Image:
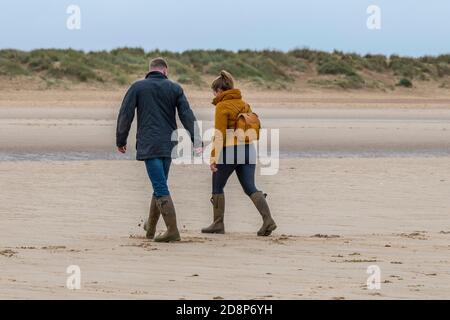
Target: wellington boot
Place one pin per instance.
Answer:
(167, 209)
(218, 202)
(269, 225)
(152, 221)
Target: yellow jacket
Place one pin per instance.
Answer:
(229, 105)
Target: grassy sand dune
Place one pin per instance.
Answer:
(268, 69)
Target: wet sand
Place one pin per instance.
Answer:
(90, 132)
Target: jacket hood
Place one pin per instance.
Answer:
(232, 94)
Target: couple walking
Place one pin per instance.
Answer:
(156, 101)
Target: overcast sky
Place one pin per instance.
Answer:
(408, 27)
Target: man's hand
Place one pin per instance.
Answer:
(213, 167)
(198, 151)
(122, 149)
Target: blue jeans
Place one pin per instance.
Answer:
(158, 172)
(245, 168)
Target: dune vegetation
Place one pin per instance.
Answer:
(267, 68)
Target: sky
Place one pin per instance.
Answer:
(407, 27)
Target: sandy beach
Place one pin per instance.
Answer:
(387, 212)
(357, 186)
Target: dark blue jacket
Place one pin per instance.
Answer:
(157, 100)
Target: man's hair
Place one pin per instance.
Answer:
(158, 63)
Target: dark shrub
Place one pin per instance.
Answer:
(405, 83)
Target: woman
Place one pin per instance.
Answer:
(229, 105)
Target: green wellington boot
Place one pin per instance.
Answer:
(259, 199)
(167, 209)
(218, 202)
(152, 221)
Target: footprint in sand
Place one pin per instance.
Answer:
(279, 241)
(282, 239)
(195, 240)
(137, 237)
(416, 286)
(360, 260)
(139, 292)
(8, 253)
(325, 236)
(375, 294)
(54, 248)
(146, 245)
(418, 235)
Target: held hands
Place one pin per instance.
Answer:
(198, 151)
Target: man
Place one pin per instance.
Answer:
(156, 99)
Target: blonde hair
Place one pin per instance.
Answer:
(223, 82)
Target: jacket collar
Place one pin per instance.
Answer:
(155, 75)
(227, 95)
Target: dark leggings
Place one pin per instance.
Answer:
(244, 165)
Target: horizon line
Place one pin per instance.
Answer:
(146, 51)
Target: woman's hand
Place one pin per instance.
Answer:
(213, 167)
